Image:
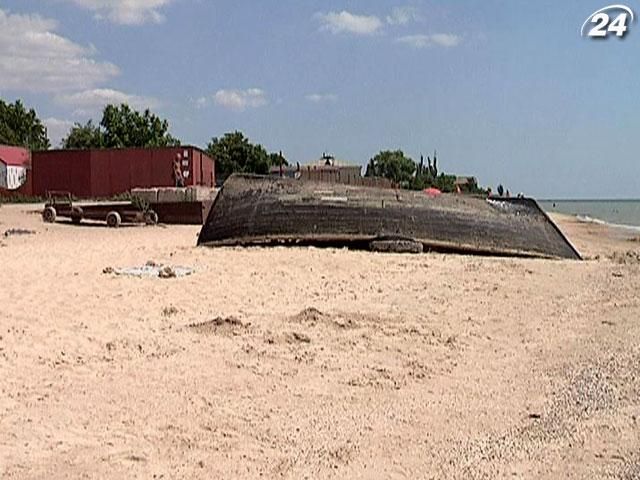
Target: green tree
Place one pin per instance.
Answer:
(234, 153)
(393, 165)
(276, 158)
(84, 137)
(121, 127)
(124, 127)
(21, 127)
(445, 183)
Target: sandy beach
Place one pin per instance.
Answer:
(313, 363)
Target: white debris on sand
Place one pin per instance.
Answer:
(151, 270)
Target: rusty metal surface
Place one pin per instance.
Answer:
(255, 210)
(182, 213)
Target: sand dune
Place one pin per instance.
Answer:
(313, 363)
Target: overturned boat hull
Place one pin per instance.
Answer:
(257, 210)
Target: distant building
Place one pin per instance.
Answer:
(14, 164)
(331, 170)
(326, 168)
(466, 184)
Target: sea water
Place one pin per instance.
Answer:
(620, 213)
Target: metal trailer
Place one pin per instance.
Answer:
(60, 204)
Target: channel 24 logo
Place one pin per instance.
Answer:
(608, 21)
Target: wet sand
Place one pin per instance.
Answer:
(314, 363)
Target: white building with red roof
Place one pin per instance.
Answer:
(14, 163)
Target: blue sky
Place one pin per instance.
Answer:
(508, 91)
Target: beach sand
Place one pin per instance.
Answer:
(314, 363)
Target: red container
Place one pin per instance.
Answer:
(105, 173)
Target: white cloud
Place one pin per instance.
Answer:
(402, 16)
(446, 39)
(201, 102)
(35, 58)
(126, 12)
(57, 129)
(437, 39)
(88, 102)
(345, 22)
(240, 100)
(322, 97)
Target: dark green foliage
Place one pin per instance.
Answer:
(21, 127)
(84, 137)
(124, 127)
(275, 159)
(415, 176)
(18, 198)
(121, 127)
(445, 183)
(140, 204)
(427, 175)
(393, 165)
(233, 153)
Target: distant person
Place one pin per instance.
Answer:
(177, 172)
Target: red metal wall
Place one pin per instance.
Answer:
(104, 173)
(70, 172)
(207, 169)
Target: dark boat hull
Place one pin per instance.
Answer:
(258, 210)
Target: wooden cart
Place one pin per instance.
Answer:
(60, 204)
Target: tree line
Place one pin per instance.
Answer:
(122, 127)
(403, 170)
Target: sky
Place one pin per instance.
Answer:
(508, 91)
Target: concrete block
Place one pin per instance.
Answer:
(172, 195)
(149, 195)
(200, 194)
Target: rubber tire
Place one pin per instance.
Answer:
(113, 219)
(151, 218)
(49, 214)
(76, 215)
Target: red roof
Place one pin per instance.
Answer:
(14, 156)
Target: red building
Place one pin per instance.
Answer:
(108, 172)
(14, 165)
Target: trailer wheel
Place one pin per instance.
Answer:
(113, 219)
(151, 218)
(49, 214)
(76, 215)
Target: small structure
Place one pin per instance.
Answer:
(331, 170)
(14, 164)
(108, 172)
(466, 184)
